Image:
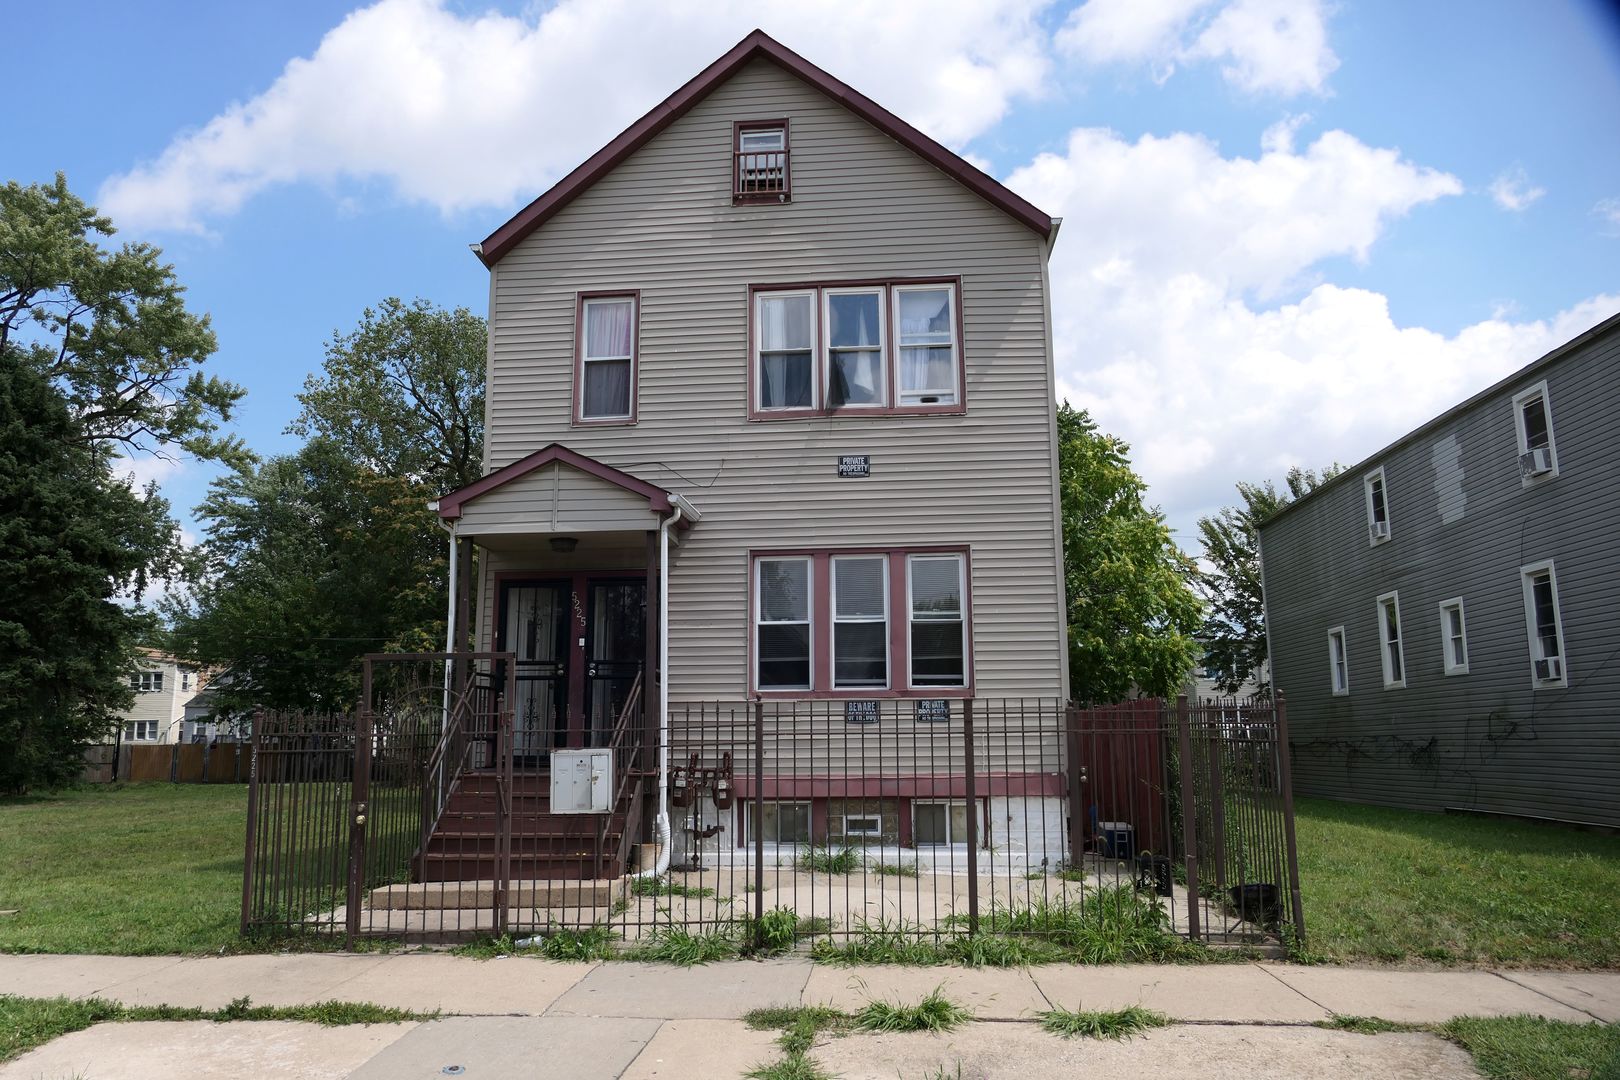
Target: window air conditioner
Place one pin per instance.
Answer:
(1536, 462)
(1380, 530)
(1550, 669)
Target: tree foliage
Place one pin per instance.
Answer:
(71, 539)
(1235, 630)
(312, 559)
(109, 329)
(1132, 611)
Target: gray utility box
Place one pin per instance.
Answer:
(582, 781)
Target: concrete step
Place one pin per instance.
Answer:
(480, 894)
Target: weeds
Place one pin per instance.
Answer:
(881, 869)
(677, 945)
(934, 1013)
(1103, 1024)
(776, 932)
(592, 943)
(824, 860)
(800, 1025)
(658, 886)
(1368, 1025)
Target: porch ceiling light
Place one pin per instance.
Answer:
(562, 545)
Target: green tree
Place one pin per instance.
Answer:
(109, 329)
(1132, 611)
(403, 393)
(72, 538)
(1235, 631)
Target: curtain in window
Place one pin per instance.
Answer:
(785, 369)
(607, 388)
(927, 363)
(608, 329)
(856, 349)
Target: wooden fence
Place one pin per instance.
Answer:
(177, 763)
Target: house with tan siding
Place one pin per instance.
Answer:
(163, 685)
(770, 416)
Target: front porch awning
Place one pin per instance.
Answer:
(555, 490)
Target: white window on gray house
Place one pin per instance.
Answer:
(784, 822)
(1545, 626)
(147, 682)
(607, 371)
(1454, 636)
(938, 641)
(1389, 637)
(1532, 417)
(785, 333)
(782, 615)
(140, 731)
(860, 621)
(937, 824)
(1338, 662)
(1377, 506)
(925, 329)
(856, 369)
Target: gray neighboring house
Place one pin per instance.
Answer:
(1444, 618)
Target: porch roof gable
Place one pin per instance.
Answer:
(450, 505)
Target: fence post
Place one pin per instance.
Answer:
(359, 795)
(759, 821)
(1285, 763)
(1189, 827)
(1077, 789)
(972, 818)
(250, 850)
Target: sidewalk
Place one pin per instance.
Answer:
(628, 1020)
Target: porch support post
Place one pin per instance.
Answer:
(650, 699)
(462, 631)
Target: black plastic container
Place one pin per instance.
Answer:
(1258, 902)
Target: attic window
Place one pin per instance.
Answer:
(759, 162)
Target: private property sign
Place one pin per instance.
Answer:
(854, 465)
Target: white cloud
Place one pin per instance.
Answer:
(143, 469)
(1513, 191)
(1263, 46)
(482, 110)
(1169, 250)
(1608, 211)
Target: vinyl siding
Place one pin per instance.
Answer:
(557, 498)
(1485, 740)
(863, 207)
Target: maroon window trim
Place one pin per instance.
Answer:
(899, 626)
(761, 198)
(579, 417)
(891, 351)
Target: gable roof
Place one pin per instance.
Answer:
(657, 498)
(756, 45)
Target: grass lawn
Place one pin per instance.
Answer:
(1393, 885)
(134, 870)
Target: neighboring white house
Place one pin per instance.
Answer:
(163, 686)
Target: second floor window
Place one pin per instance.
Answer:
(867, 347)
(140, 731)
(147, 682)
(1377, 507)
(1389, 635)
(1538, 454)
(606, 379)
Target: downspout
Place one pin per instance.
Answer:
(665, 844)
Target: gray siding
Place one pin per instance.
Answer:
(863, 207)
(1485, 740)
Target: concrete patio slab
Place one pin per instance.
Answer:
(1419, 997)
(555, 1047)
(202, 1050)
(991, 993)
(513, 985)
(715, 1049)
(711, 992)
(75, 976)
(996, 1051)
(1594, 992)
(1224, 992)
(214, 982)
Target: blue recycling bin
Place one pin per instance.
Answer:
(1118, 839)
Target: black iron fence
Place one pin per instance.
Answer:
(842, 821)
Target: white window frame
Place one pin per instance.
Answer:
(954, 299)
(132, 729)
(586, 359)
(1391, 601)
(1368, 482)
(961, 618)
(882, 349)
(1338, 662)
(147, 682)
(754, 826)
(1527, 576)
(832, 651)
(1520, 400)
(951, 839)
(809, 621)
(1446, 659)
(757, 366)
(862, 833)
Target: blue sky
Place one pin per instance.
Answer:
(1293, 230)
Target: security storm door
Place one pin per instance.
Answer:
(616, 647)
(534, 625)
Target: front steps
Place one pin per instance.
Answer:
(480, 895)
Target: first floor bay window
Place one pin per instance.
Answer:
(861, 623)
(782, 649)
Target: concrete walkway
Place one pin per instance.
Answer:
(622, 1020)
